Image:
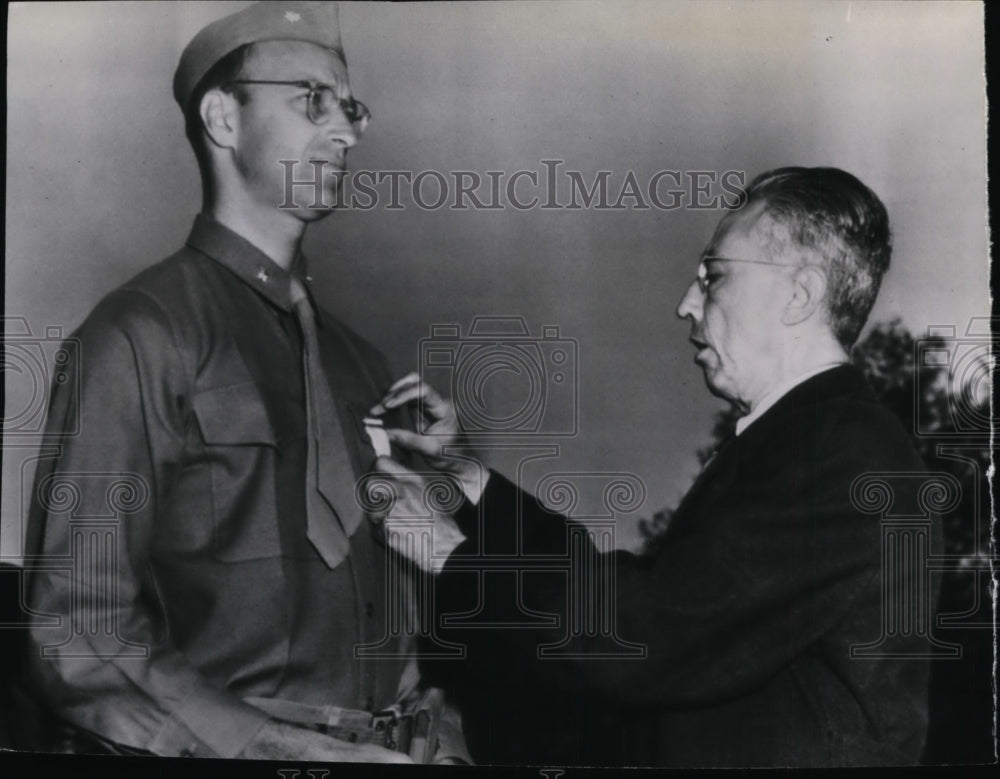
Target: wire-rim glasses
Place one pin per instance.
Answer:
(702, 277)
(321, 101)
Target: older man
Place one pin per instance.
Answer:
(241, 610)
(769, 572)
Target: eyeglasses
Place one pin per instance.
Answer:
(704, 282)
(321, 101)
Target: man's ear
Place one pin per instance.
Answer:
(808, 291)
(219, 117)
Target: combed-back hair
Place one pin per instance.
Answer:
(829, 214)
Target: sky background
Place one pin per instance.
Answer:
(101, 182)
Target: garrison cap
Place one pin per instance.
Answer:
(315, 22)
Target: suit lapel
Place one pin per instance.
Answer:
(758, 439)
(714, 478)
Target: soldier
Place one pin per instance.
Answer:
(246, 573)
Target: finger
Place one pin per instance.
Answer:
(413, 442)
(410, 378)
(406, 393)
(393, 471)
(390, 467)
(436, 406)
(399, 385)
(431, 401)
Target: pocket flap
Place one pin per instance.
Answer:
(235, 414)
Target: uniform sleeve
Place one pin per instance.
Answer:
(110, 667)
(728, 600)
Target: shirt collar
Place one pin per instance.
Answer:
(248, 262)
(778, 393)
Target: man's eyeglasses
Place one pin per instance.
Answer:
(705, 280)
(321, 101)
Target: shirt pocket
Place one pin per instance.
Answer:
(240, 447)
(234, 416)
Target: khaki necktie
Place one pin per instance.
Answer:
(332, 511)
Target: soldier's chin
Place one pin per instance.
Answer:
(305, 205)
(309, 211)
(315, 214)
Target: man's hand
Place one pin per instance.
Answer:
(415, 502)
(282, 741)
(443, 432)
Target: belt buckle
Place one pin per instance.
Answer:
(382, 721)
(395, 727)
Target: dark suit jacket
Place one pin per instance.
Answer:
(768, 575)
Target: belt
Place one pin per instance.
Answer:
(390, 728)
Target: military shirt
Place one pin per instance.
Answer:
(168, 537)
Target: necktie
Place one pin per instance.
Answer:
(332, 512)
